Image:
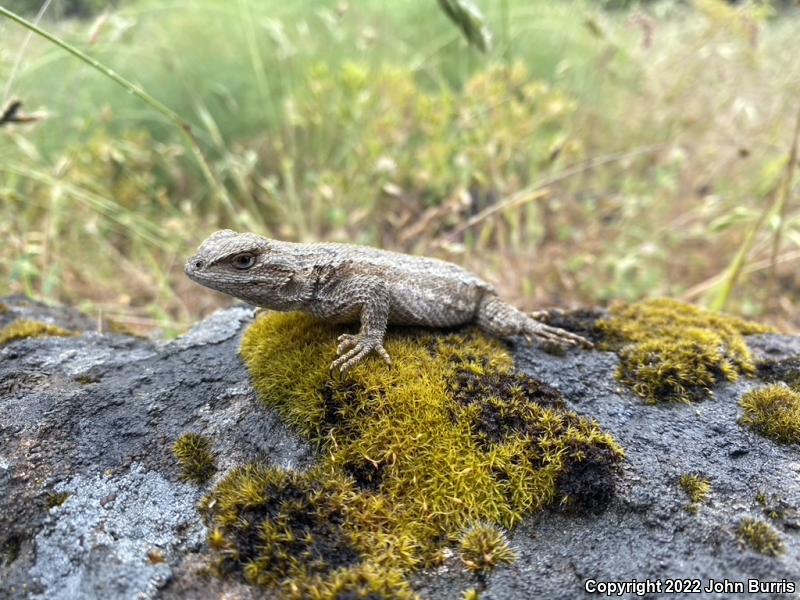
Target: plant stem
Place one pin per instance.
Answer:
(184, 127)
(736, 267)
(786, 188)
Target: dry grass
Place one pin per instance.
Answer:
(634, 150)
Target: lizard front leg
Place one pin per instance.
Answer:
(371, 297)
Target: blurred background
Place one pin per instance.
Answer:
(591, 152)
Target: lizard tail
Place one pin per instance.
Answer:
(502, 320)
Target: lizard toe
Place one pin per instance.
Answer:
(354, 350)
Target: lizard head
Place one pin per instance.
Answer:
(244, 265)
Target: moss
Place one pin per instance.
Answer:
(697, 488)
(484, 547)
(471, 594)
(413, 454)
(673, 351)
(87, 379)
(761, 537)
(56, 499)
(22, 329)
(774, 412)
(4, 310)
(194, 454)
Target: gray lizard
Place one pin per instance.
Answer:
(345, 283)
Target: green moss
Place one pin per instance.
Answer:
(484, 547)
(413, 454)
(697, 488)
(22, 329)
(673, 351)
(761, 537)
(774, 412)
(471, 594)
(194, 454)
(56, 499)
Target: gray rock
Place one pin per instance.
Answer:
(91, 420)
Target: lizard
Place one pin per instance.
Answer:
(346, 283)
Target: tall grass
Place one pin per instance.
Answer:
(636, 148)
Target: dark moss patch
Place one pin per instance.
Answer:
(23, 329)
(196, 458)
(588, 484)
(786, 370)
(4, 310)
(761, 537)
(774, 412)
(9, 551)
(413, 454)
(673, 351)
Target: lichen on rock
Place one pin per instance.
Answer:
(448, 436)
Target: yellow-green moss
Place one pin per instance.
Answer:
(471, 594)
(774, 412)
(697, 488)
(195, 456)
(56, 499)
(21, 329)
(414, 453)
(761, 537)
(484, 547)
(673, 351)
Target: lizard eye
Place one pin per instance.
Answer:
(244, 261)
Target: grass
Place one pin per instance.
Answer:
(637, 149)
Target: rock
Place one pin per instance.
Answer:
(93, 504)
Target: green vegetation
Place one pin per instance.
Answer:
(195, 455)
(377, 123)
(447, 437)
(22, 329)
(674, 351)
(484, 547)
(57, 499)
(697, 488)
(761, 537)
(774, 412)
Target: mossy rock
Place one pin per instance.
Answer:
(671, 351)
(774, 412)
(23, 329)
(413, 454)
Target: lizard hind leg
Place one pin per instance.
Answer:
(504, 321)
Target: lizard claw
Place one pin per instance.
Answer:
(354, 349)
(542, 332)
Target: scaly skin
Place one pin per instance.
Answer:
(344, 283)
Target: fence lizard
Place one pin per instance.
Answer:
(345, 283)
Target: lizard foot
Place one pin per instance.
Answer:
(353, 349)
(539, 331)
